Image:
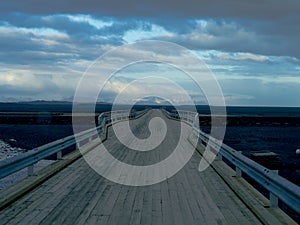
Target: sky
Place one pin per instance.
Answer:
(251, 47)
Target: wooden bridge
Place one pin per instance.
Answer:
(71, 192)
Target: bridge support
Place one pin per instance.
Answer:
(30, 170)
(273, 201)
(238, 172)
(219, 156)
(59, 155)
(273, 198)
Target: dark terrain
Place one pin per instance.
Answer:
(30, 125)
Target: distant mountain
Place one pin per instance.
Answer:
(153, 100)
(45, 102)
(54, 102)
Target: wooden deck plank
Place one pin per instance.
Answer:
(231, 214)
(146, 217)
(156, 205)
(68, 203)
(127, 207)
(97, 195)
(166, 204)
(137, 207)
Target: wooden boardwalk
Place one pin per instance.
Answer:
(78, 195)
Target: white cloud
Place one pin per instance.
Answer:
(282, 79)
(141, 34)
(49, 32)
(23, 84)
(243, 56)
(97, 23)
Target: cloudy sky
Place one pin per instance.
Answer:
(253, 49)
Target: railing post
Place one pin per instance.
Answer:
(219, 156)
(238, 172)
(59, 155)
(273, 200)
(30, 170)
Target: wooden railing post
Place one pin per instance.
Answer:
(59, 155)
(219, 156)
(238, 171)
(30, 170)
(273, 200)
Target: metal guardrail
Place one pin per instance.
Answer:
(113, 116)
(28, 159)
(186, 116)
(279, 187)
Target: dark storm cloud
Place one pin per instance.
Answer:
(29, 41)
(268, 9)
(79, 30)
(58, 22)
(271, 26)
(19, 47)
(266, 38)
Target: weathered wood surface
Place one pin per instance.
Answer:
(78, 195)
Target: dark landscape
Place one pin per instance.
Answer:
(277, 129)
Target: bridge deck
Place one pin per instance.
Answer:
(78, 195)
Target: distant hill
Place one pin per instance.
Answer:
(44, 102)
(54, 102)
(153, 101)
